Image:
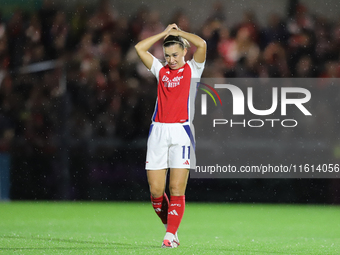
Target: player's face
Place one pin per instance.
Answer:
(174, 55)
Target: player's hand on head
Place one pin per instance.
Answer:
(171, 27)
(174, 31)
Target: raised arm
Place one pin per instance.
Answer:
(143, 46)
(201, 45)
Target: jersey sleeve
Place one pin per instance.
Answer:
(156, 67)
(197, 68)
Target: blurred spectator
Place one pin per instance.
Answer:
(7, 125)
(227, 47)
(300, 21)
(299, 45)
(46, 14)
(77, 25)
(209, 33)
(16, 38)
(325, 46)
(59, 34)
(86, 47)
(275, 31)
(218, 12)
(137, 22)
(34, 31)
(249, 22)
(335, 34)
(275, 60)
(104, 19)
(245, 46)
(331, 70)
(33, 53)
(305, 67)
(242, 51)
(4, 53)
(181, 19)
(121, 36)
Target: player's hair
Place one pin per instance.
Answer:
(171, 40)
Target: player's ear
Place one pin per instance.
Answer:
(185, 51)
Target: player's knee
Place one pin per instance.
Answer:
(156, 191)
(177, 189)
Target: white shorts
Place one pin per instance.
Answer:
(170, 145)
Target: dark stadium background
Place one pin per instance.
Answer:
(78, 131)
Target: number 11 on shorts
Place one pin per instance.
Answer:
(184, 150)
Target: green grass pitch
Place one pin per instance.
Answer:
(134, 228)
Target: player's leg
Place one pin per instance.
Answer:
(157, 165)
(177, 185)
(156, 180)
(178, 181)
(181, 157)
(159, 199)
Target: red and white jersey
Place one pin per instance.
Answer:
(176, 91)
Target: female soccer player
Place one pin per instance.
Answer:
(171, 141)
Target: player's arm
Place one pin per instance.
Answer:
(143, 46)
(201, 45)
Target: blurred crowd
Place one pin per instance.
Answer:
(110, 94)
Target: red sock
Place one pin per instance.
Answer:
(161, 204)
(175, 213)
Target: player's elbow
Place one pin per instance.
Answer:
(137, 47)
(203, 44)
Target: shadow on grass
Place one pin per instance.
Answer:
(119, 246)
(103, 245)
